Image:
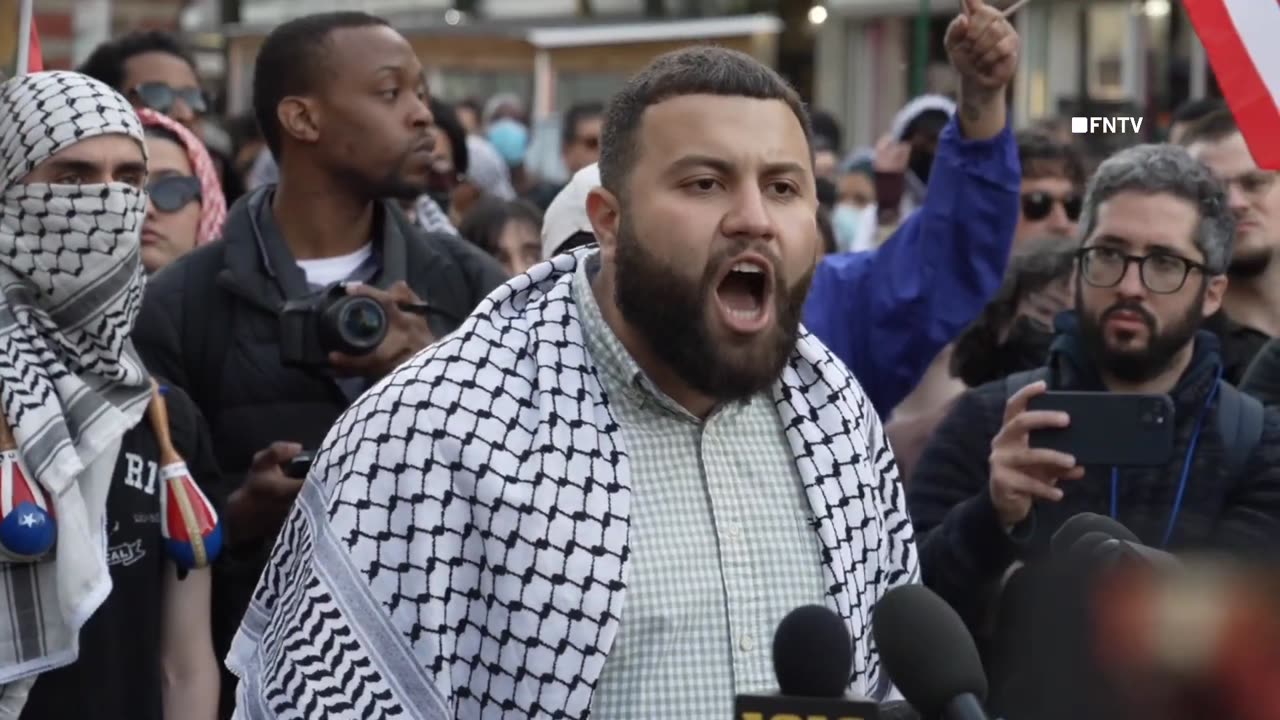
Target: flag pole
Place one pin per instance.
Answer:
(24, 37)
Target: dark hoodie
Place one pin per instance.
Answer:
(963, 548)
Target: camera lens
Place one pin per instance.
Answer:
(361, 324)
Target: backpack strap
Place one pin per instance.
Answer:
(1240, 420)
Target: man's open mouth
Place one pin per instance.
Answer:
(743, 294)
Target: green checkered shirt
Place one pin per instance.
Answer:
(721, 546)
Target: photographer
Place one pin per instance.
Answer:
(341, 104)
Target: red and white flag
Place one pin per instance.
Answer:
(1242, 40)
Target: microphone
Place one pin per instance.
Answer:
(813, 660)
(1077, 526)
(1113, 542)
(929, 654)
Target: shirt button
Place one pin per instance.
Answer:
(735, 531)
(747, 643)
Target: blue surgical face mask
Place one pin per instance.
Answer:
(855, 227)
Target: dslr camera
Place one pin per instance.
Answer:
(329, 321)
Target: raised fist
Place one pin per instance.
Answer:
(982, 45)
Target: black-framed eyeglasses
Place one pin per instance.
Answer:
(1161, 273)
(1038, 205)
(161, 97)
(172, 193)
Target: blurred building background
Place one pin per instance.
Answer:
(859, 59)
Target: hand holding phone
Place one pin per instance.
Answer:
(1021, 473)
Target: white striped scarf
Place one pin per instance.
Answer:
(71, 384)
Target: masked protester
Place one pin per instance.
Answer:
(100, 622)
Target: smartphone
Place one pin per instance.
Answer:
(1106, 428)
(299, 466)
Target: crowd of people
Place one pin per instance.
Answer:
(339, 410)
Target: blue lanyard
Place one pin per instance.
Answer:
(1186, 469)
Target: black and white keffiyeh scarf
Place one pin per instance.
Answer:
(71, 385)
(460, 549)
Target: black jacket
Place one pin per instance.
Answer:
(209, 323)
(964, 550)
(1262, 380)
(1239, 345)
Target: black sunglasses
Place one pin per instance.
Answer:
(172, 193)
(1038, 205)
(161, 97)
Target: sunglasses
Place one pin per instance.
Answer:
(172, 193)
(161, 97)
(1038, 205)
(590, 142)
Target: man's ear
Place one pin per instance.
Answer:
(605, 213)
(299, 118)
(1214, 291)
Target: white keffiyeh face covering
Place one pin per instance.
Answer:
(71, 384)
(71, 278)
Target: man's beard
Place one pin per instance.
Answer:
(395, 186)
(1162, 347)
(1249, 265)
(672, 315)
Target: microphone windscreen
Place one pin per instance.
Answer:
(1080, 525)
(926, 649)
(812, 653)
(1089, 543)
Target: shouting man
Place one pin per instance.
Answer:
(606, 489)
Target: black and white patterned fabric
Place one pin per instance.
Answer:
(71, 385)
(460, 549)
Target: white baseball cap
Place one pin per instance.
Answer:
(566, 216)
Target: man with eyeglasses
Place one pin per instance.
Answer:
(1157, 236)
(1251, 306)
(1052, 190)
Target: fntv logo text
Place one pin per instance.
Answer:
(1106, 125)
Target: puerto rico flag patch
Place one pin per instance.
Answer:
(27, 528)
(188, 523)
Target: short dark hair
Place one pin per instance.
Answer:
(1041, 156)
(106, 62)
(1193, 110)
(1166, 169)
(446, 118)
(291, 60)
(1212, 128)
(574, 116)
(696, 70)
(484, 223)
(826, 126)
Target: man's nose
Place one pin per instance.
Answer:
(182, 112)
(1237, 199)
(421, 116)
(1131, 284)
(749, 215)
(1059, 223)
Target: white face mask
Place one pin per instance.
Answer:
(855, 228)
(78, 245)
